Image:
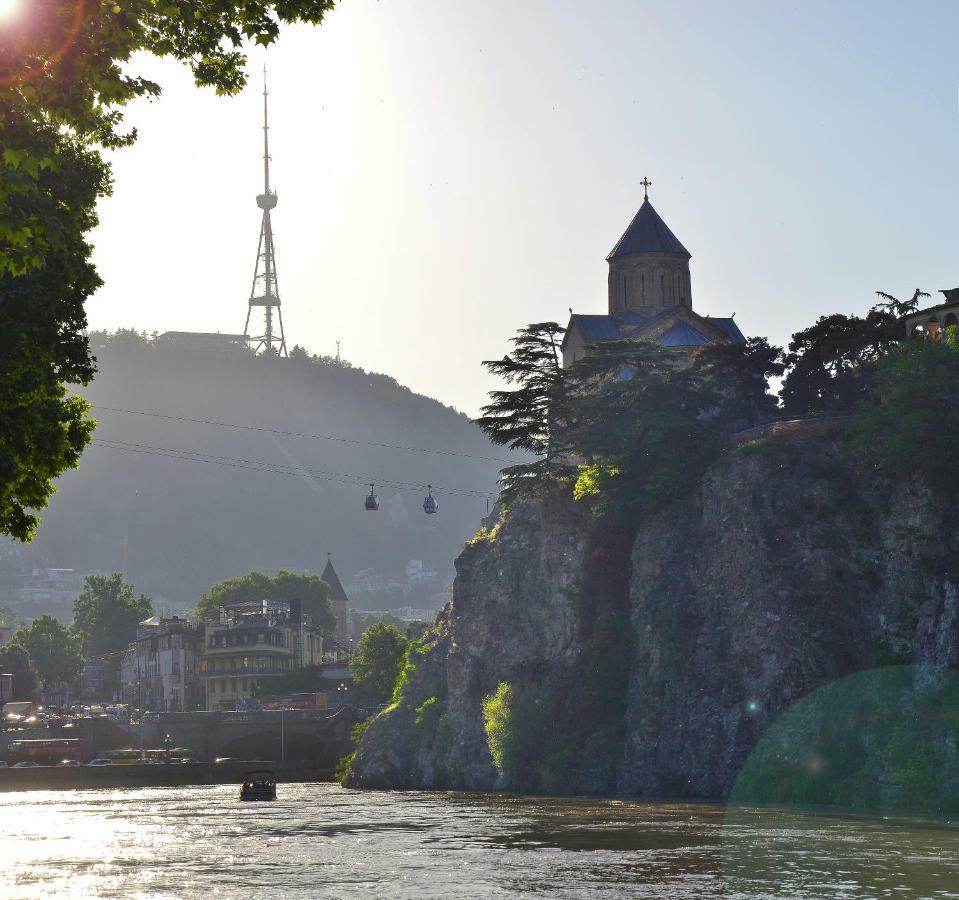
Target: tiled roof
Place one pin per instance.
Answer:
(596, 328)
(648, 233)
(682, 334)
(729, 328)
(333, 580)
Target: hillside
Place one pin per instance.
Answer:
(177, 525)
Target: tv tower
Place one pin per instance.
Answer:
(265, 292)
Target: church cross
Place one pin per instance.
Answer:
(645, 183)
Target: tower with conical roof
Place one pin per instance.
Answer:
(338, 600)
(649, 295)
(265, 293)
(648, 267)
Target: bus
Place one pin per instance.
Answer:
(127, 757)
(45, 751)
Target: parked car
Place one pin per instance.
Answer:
(26, 764)
(68, 762)
(3, 764)
(100, 761)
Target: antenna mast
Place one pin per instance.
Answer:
(265, 292)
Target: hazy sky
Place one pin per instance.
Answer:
(449, 171)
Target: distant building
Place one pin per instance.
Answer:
(417, 573)
(339, 601)
(252, 645)
(6, 687)
(649, 295)
(204, 343)
(6, 632)
(160, 670)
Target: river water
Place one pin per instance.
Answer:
(319, 840)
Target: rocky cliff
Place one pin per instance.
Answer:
(648, 660)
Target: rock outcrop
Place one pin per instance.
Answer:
(785, 569)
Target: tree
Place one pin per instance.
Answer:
(107, 612)
(64, 80)
(831, 362)
(740, 374)
(914, 430)
(376, 664)
(899, 307)
(53, 648)
(14, 660)
(308, 588)
(640, 420)
(531, 416)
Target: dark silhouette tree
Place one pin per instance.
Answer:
(740, 374)
(532, 415)
(831, 363)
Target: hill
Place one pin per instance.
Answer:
(180, 504)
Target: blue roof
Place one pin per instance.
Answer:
(682, 334)
(729, 328)
(596, 328)
(648, 233)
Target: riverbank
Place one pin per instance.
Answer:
(64, 778)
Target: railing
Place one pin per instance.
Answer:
(798, 428)
(218, 672)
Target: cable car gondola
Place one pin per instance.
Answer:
(429, 503)
(371, 503)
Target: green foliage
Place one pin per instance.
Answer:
(8, 615)
(499, 725)
(429, 712)
(415, 651)
(308, 588)
(54, 649)
(914, 428)
(641, 422)
(64, 79)
(107, 612)
(377, 662)
(344, 767)
(14, 660)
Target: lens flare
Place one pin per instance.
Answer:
(9, 10)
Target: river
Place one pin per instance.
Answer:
(319, 841)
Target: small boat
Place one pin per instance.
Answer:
(259, 785)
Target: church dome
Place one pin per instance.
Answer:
(648, 233)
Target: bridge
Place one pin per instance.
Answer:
(319, 737)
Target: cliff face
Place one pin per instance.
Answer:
(784, 570)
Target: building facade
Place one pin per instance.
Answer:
(649, 295)
(251, 646)
(160, 670)
(933, 321)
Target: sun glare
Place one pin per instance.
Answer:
(9, 9)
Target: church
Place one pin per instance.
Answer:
(650, 295)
